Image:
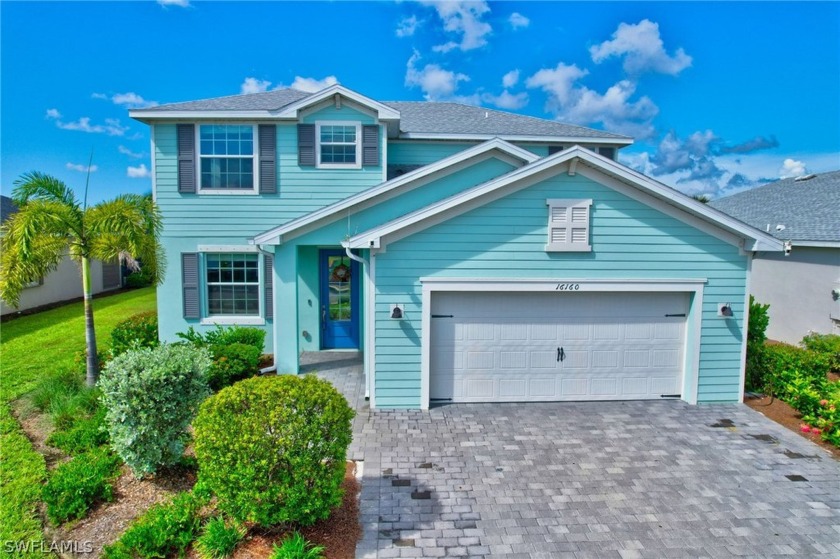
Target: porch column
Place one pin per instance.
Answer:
(286, 349)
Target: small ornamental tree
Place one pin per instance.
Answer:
(273, 449)
(151, 395)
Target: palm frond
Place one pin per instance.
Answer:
(42, 218)
(18, 269)
(40, 186)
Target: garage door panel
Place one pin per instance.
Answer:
(625, 348)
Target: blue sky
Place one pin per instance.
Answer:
(719, 96)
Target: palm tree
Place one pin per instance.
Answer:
(702, 198)
(50, 222)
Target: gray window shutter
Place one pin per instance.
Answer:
(186, 158)
(306, 145)
(189, 284)
(268, 267)
(370, 146)
(268, 154)
(554, 149)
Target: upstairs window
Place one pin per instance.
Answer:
(226, 154)
(339, 145)
(568, 225)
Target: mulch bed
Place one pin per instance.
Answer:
(788, 417)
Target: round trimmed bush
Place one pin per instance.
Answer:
(273, 449)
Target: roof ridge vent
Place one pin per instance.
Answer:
(807, 177)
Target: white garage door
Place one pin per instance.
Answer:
(515, 347)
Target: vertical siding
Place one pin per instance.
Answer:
(506, 239)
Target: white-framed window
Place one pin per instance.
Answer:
(568, 225)
(232, 284)
(338, 144)
(226, 158)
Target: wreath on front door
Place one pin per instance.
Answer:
(340, 274)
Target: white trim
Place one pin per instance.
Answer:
(816, 244)
(227, 248)
(148, 116)
(554, 164)
(383, 112)
(230, 320)
(275, 236)
(370, 326)
(517, 138)
(383, 151)
(153, 164)
(691, 365)
(744, 329)
(358, 144)
(255, 162)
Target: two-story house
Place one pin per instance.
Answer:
(472, 255)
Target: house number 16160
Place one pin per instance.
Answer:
(567, 287)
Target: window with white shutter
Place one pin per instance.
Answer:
(568, 225)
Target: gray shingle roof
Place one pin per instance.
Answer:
(7, 208)
(809, 209)
(415, 116)
(265, 101)
(455, 118)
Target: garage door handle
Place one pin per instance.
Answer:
(561, 355)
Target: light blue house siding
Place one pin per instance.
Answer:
(299, 296)
(191, 220)
(426, 152)
(506, 239)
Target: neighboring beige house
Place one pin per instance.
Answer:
(802, 288)
(65, 282)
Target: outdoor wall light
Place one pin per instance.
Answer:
(397, 312)
(725, 310)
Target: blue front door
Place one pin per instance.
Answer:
(339, 300)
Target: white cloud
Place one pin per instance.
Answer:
(518, 21)
(642, 48)
(578, 104)
(407, 26)
(82, 168)
(125, 151)
(53, 114)
(254, 85)
(129, 99)
(112, 126)
(179, 3)
(311, 85)
(510, 79)
(462, 18)
(436, 83)
(792, 168)
(139, 172)
(506, 100)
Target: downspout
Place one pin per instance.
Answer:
(272, 368)
(368, 324)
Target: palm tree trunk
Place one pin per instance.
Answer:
(90, 333)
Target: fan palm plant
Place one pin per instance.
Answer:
(51, 222)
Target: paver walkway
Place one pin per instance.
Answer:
(608, 479)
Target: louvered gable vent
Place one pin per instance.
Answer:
(568, 225)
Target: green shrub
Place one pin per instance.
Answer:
(75, 486)
(223, 336)
(785, 362)
(232, 363)
(142, 278)
(140, 330)
(825, 344)
(296, 547)
(164, 530)
(218, 539)
(756, 365)
(85, 434)
(273, 449)
(151, 395)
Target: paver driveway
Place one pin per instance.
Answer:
(620, 479)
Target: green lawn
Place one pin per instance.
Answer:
(31, 346)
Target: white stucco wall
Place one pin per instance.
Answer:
(62, 284)
(798, 288)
